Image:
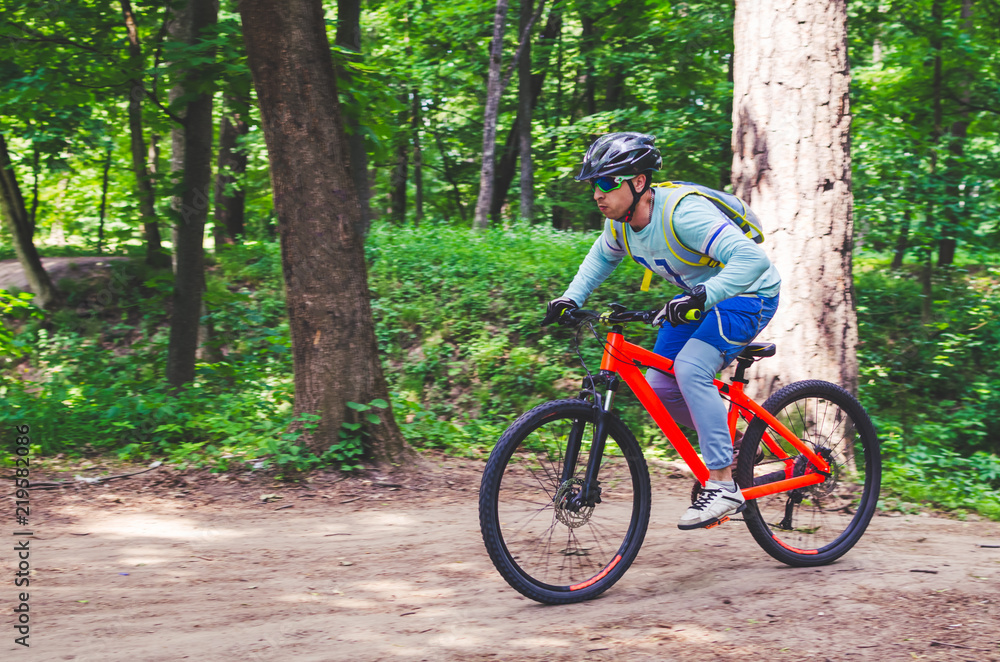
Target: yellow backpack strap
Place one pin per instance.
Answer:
(676, 246)
(648, 276)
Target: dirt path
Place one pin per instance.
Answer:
(12, 274)
(170, 566)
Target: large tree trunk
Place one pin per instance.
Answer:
(493, 91)
(231, 164)
(15, 217)
(792, 164)
(334, 349)
(189, 275)
(349, 37)
(155, 255)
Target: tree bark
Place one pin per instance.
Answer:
(902, 240)
(156, 256)
(448, 172)
(349, 37)
(525, 103)
(35, 172)
(397, 180)
(791, 163)
(15, 217)
(189, 275)
(333, 334)
(418, 164)
(104, 198)
(493, 91)
(588, 44)
(508, 160)
(231, 164)
(956, 150)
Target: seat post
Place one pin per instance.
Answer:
(742, 363)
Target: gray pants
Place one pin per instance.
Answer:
(693, 400)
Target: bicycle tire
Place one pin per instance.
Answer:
(818, 524)
(522, 525)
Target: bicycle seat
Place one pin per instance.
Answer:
(758, 350)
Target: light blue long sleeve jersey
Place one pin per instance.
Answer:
(700, 226)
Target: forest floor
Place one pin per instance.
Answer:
(12, 274)
(187, 565)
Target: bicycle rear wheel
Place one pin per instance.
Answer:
(544, 549)
(818, 524)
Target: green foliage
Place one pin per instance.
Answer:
(14, 307)
(934, 388)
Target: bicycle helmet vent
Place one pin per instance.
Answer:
(623, 153)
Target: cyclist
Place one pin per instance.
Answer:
(737, 300)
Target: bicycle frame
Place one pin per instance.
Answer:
(624, 358)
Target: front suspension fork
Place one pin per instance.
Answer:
(590, 492)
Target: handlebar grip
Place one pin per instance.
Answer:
(693, 315)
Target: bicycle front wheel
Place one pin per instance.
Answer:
(818, 524)
(545, 547)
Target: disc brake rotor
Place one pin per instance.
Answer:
(561, 501)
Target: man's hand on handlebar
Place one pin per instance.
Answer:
(684, 309)
(559, 310)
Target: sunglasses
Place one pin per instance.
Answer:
(608, 183)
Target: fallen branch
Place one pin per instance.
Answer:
(81, 479)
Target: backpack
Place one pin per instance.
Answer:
(730, 206)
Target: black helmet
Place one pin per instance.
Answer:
(624, 153)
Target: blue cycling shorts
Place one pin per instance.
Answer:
(729, 326)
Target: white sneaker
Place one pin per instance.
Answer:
(712, 507)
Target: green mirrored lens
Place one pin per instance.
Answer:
(607, 184)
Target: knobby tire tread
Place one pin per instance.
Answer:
(489, 492)
(866, 508)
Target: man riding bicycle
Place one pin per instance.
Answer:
(734, 288)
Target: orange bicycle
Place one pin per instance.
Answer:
(565, 496)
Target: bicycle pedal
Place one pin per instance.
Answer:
(715, 524)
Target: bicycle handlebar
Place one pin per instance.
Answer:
(619, 315)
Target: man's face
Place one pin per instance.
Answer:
(614, 204)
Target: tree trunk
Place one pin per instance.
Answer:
(792, 164)
(588, 44)
(525, 104)
(956, 149)
(189, 275)
(493, 92)
(902, 240)
(334, 349)
(15, 217)
(231, 164)
(397, 181)
(448, 171)
(505, 167)
(349, 37)
(156, 256)
(418, 164)
(33, 214)
(104, 199)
